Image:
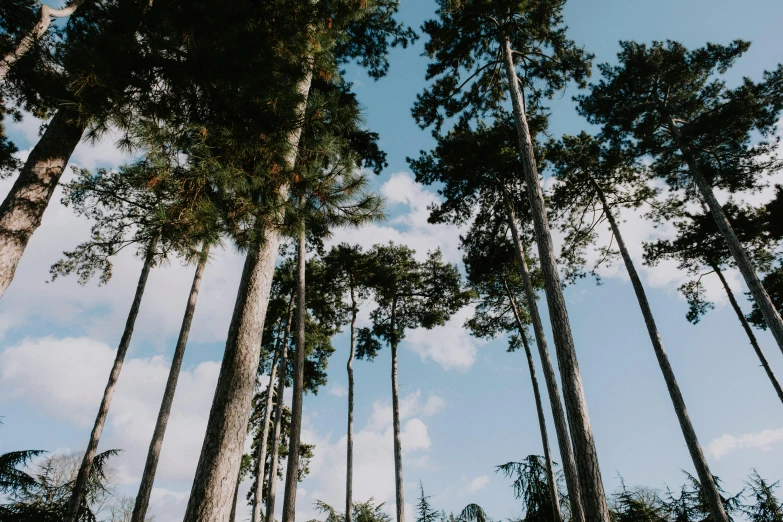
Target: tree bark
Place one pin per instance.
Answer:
(153, 454)
(77, 495)
(221, 452)
(694, 447)
(398, 483)
(233, 516)
(24, 206)
(270, 497)
(258, 493)
(749, 332)
(589, 472)
(561, 427)
(744, 263)
(539, 409)
(349, 443)
(295, 435)
(36, 33)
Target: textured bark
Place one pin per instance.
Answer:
(233, 516)
(398, 484)
(153, 454)
(349, 443)
(258, 493)
(270, 496)
(77, 495)
(585, 455)
(221, 452)
(709, 487)
(295, 435)
(23, 207)
(749, 332)
(561, 427)
(550, 469)
(36, 33)
(744, 263)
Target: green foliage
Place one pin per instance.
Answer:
(637, 505)
(764, 506)
(424, 510)
(691, 505)
(532, 488)
(367, 511)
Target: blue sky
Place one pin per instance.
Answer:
(468, 405)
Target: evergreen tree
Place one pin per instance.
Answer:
(477, 168)
(408, 294)
(637, 505)
(517, 50)
(765, 507)
(424, 510)
(666, 102)
(531, 486)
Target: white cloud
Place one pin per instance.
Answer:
(727, 444)
(338, 390)
(410, 406)
(451, 346)
(477, 484)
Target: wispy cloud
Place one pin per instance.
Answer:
(727, 444)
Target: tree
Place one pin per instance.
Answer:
(476, 170)
(424, 510)
(362, 34)
(693, 503)
(665, 102)
(700, 249)
(637, 505)
(498, 312)
(765, 507)
(507, 47)
(592, 175)
(408, 294)
(367, 511)
(531, 486)
(347, 268)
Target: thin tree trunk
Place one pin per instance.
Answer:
(221, 452)
(694, 447)
(349, 449)
(744, 263)
(539, 409)
(36, 33)
(585, 454)
(295, 435)
(258, 493)
(398, 484)
(24, 206)
(77, 495)
(751, 336)
(233, 516)
(561, 427)
(270, 496)
(153, 454)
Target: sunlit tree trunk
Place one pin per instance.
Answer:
(694, 447)
(561, 427)
(585, 454)
(744, 264)
(79, 486)
(295, 434)
(550, 469)
(153, 454)
(258, 493)
(270, 496)
(36, 33)
(23, 208)
(398, 483)
(221, 453)
(749, 332)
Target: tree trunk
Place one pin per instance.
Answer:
(153, 454)
(77, 495)
(233, 516)
(694, 447)
(751, 336)
(561, 427)
(551, 479)
(258, 493)
(744, 264)
(400, 495)
(589, 472)
(295, 435)
(349, 449)
(221, 452)
(36, 33)
(270, 497)
(23, 207)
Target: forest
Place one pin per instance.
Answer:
(243, 131)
